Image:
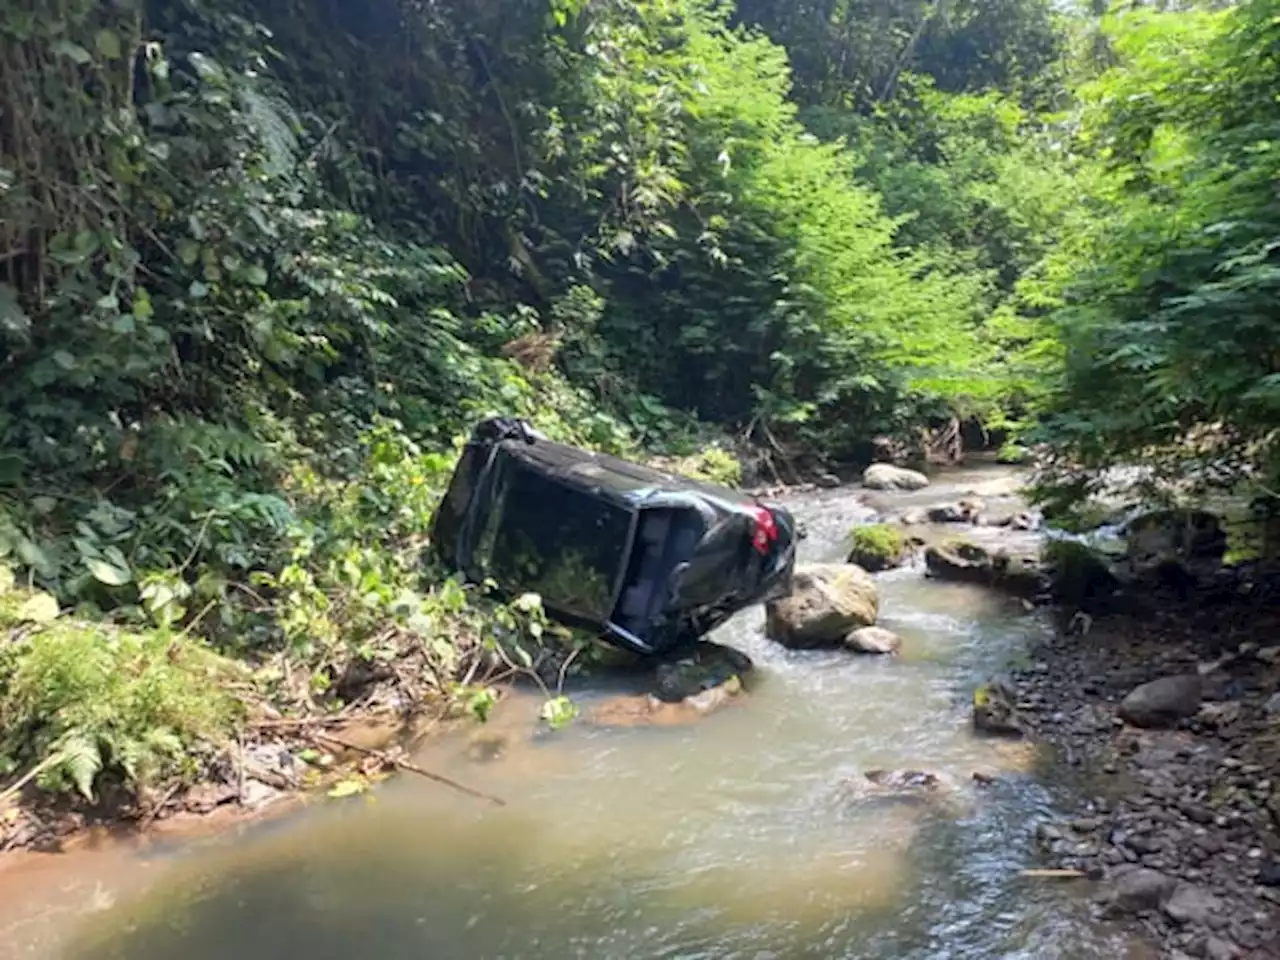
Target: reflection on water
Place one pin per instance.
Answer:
(728, 838)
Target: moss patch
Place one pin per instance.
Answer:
(877, 546)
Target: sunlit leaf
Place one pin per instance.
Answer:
(38, 608)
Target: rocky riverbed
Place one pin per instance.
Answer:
(1184, 819)
(1164, 703)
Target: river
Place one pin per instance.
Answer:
(724, 839)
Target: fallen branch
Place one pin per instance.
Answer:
(405, 765)
(159, 807)
(30, 775)
(1055, 874)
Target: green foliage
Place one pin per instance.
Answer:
(713, 464)
(263, 264)
(82, 702)
(853, 52)
(1167, 302)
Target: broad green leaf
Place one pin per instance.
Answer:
(73, 51)
(40, 607)
(108, 44)
(111, 574)
(82, 760)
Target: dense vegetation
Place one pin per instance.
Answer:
(262, 264)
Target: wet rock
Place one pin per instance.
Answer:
(899, 785)
(1269, 874)
(827, 602)
(994, 711)
(649, 711)
(1137, 890)
(885, 476)
(1163, 702)
(873, 640)
(963, 511)
(913, 518)
(1219, 715)
(1190, 905)
(960, 561)
(706, 666)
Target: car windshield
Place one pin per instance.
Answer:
(554, 539)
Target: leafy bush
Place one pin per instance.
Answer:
(712, 464)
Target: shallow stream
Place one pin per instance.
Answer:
(728, 838)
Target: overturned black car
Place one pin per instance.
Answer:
(650, 559)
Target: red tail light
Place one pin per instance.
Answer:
(766, 530)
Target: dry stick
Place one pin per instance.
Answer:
(406, 765)
(155, 811)
(1055, 874)
(30, 775)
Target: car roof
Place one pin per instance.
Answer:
(620, 480)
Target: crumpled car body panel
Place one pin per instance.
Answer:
(649, 559)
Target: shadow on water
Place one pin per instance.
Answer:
(725, 839)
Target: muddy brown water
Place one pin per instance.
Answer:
(725, 839)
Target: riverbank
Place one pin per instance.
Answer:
(1182, 814)
(276, 766)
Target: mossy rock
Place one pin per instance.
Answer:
(877, 546)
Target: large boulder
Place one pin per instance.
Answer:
(1193, 540)
(1163, 702)
(960, 561)
(885, 476)
(877, 546)
(827, 602)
